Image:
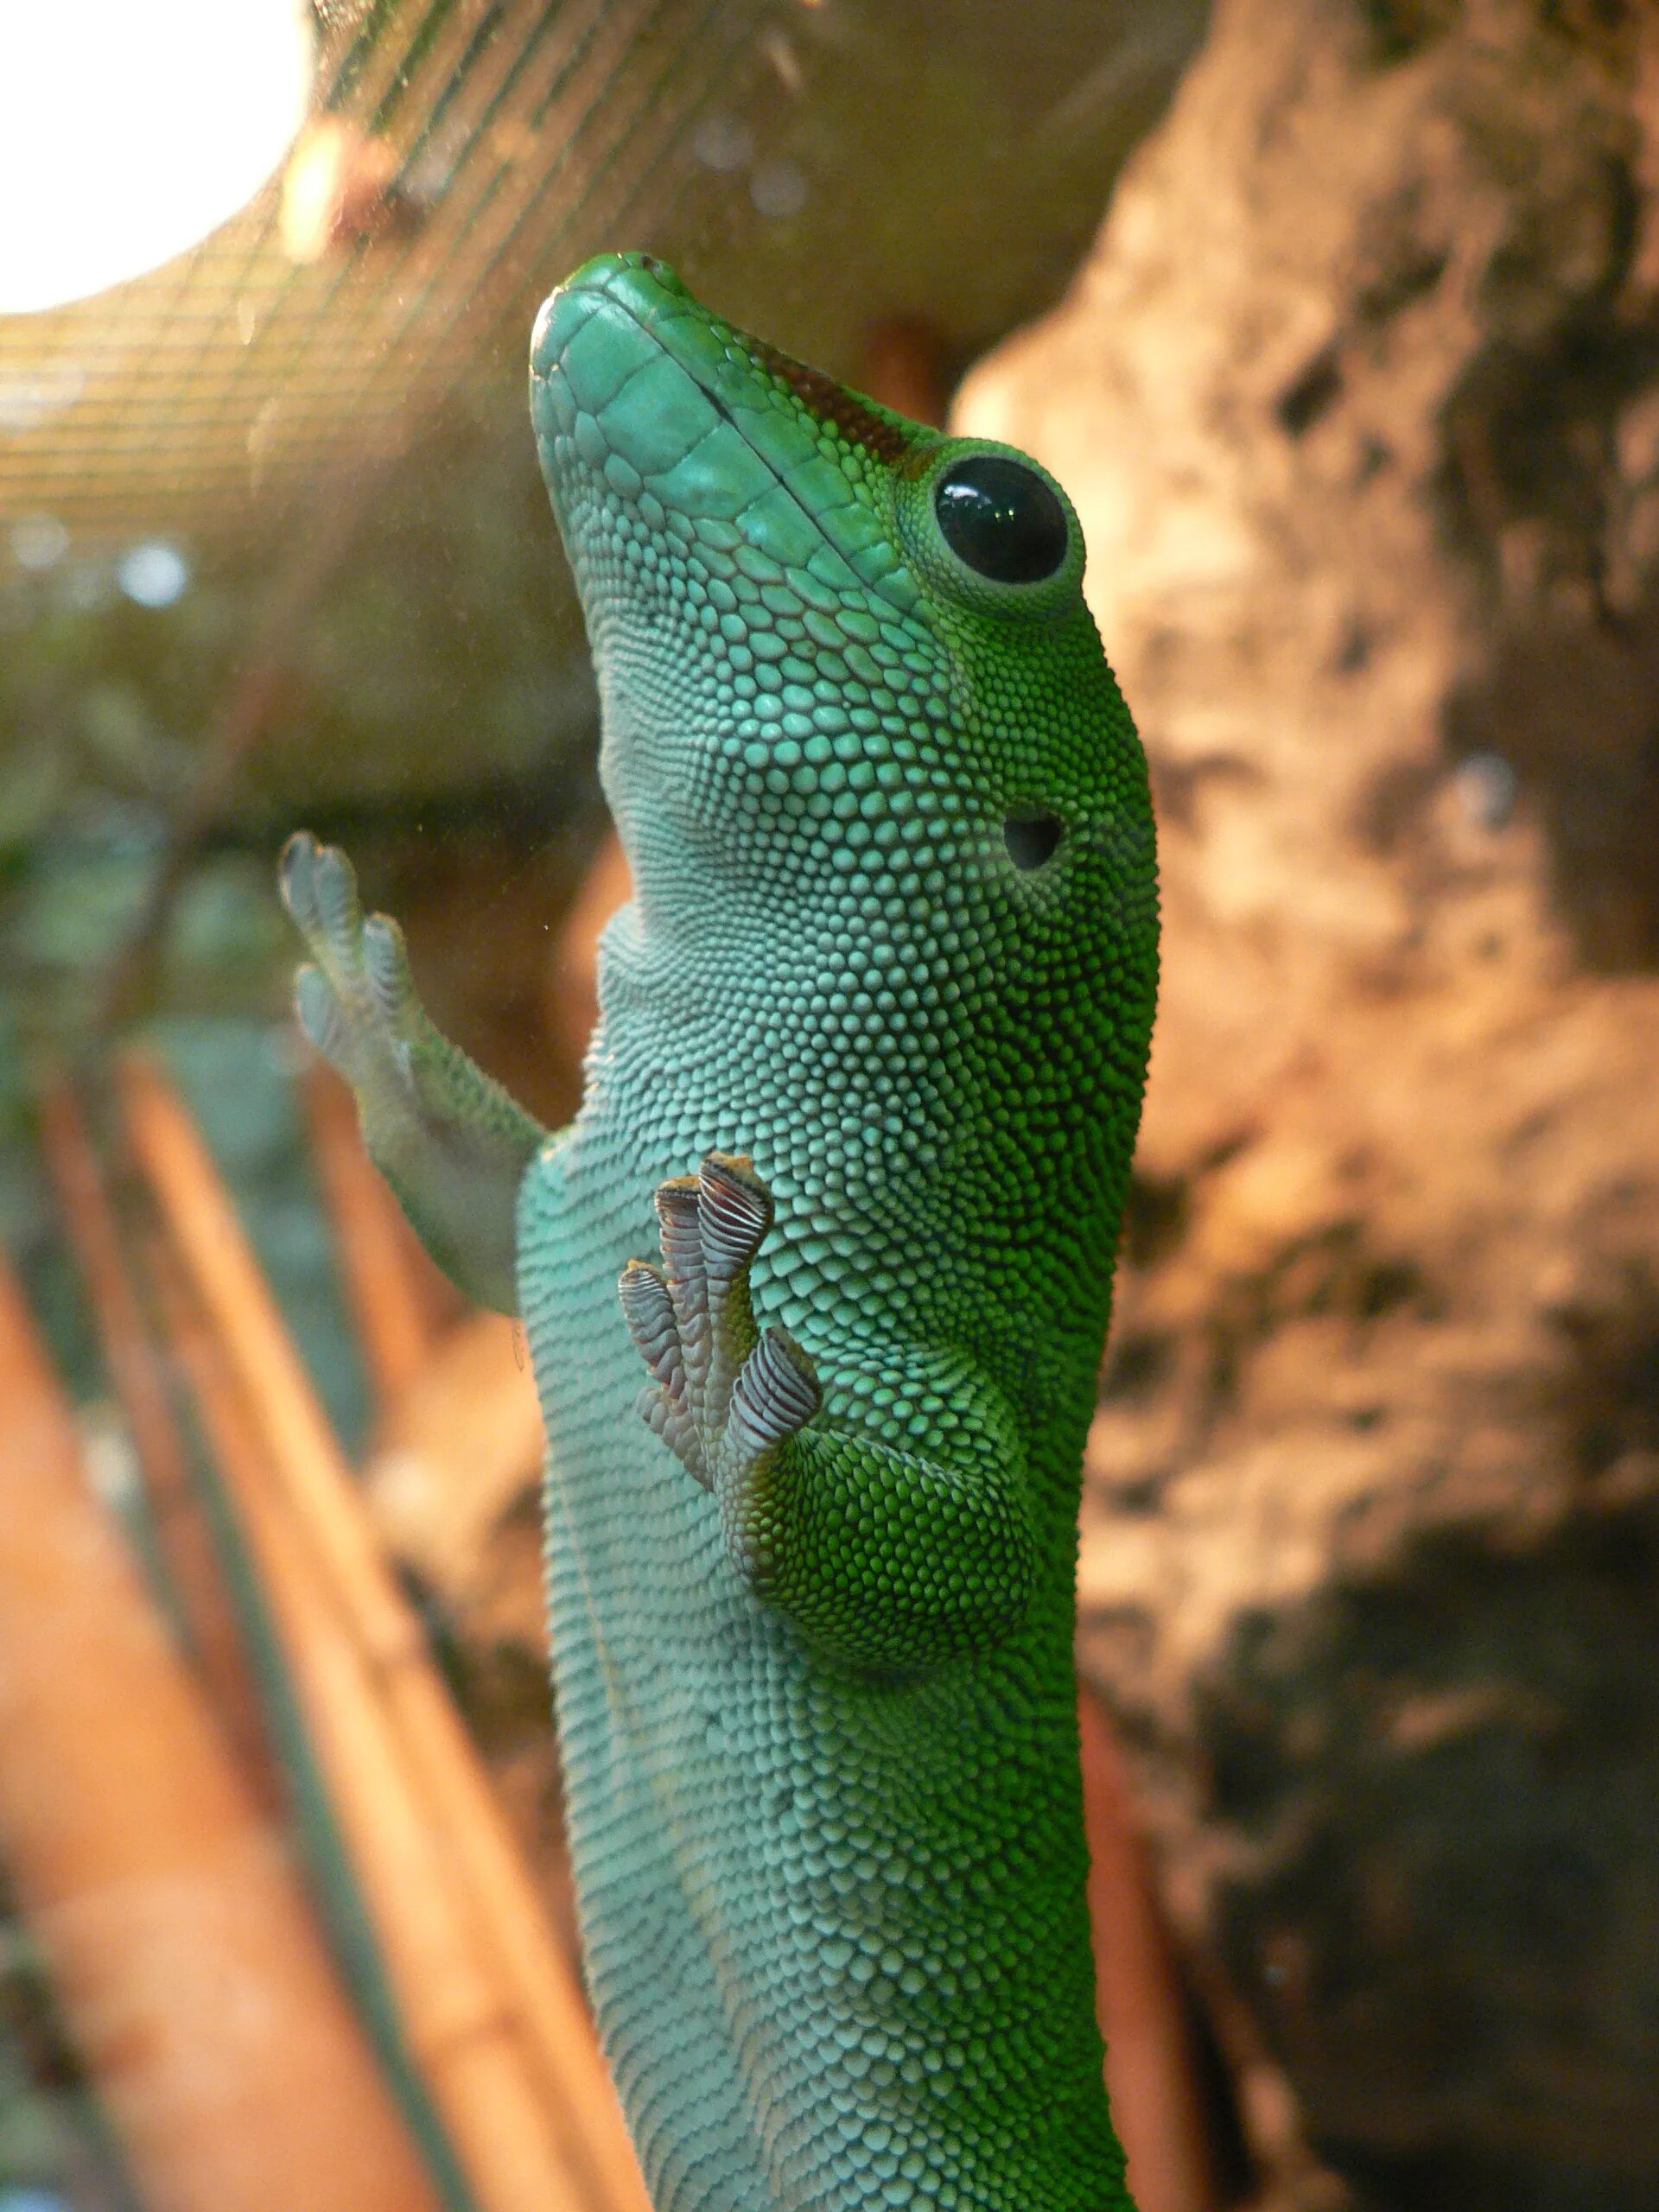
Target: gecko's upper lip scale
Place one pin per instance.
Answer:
(634, 390)
(634, 287)
(625, 344)
(636, 387)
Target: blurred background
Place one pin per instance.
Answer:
(1340, 318)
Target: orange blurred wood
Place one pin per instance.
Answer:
(1150, 2071)
(460, 2026)
(397, 1299)
(330, 1516)
(183, 1534)
(189, 1969)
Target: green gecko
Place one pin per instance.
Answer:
(856, 1127)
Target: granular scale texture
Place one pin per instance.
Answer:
(878, 1018)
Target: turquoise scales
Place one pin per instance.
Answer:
(889, 974)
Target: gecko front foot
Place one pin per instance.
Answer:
(355, 998)
(889, 1551)
(446, 1137)
(722, 1394)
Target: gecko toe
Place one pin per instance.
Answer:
(649, 1312)
(665, 1403)
(296, 879)
(686, 1277)
(318, 1011)
(775, 1394)
(734, 1214)
(386, 960)
(340, 916)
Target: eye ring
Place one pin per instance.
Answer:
(1001, 520)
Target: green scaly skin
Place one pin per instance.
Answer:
(812, 1618)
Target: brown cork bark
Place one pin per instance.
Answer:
(1358, 398)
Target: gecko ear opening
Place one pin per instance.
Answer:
(1032, 839)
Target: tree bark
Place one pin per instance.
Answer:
(1358, 398)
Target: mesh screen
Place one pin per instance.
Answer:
(494, 143)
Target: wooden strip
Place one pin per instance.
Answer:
(330, 1516)
(1150, 2073)
(460, 2027)
(190, 1972)
(183, 1534)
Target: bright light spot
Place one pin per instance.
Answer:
(778, 189)
(32, 398)
(1487, 786)
(88, 586)
(722, 142)
(128, 132)
(154, 573)
(38, 542)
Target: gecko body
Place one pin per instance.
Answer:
(853, 1142)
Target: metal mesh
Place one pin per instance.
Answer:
(521, 135)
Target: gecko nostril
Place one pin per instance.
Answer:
(1032, 839)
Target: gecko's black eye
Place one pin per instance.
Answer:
(1001, 520)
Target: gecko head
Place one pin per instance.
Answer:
(839, 655)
